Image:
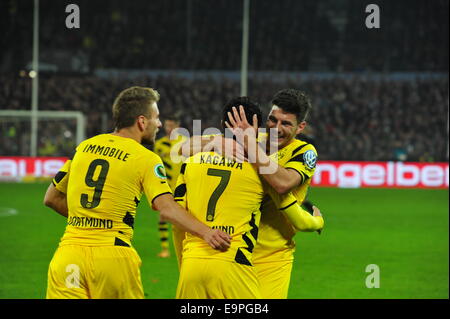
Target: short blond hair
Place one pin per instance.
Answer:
(131, 103)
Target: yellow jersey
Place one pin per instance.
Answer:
(104, 183)
(275, 242)
(222, 194)
(172, 162)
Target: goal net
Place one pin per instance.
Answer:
(57, 135)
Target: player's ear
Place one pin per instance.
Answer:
(141, 122)
(300, 127)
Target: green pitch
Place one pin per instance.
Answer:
(403, 232)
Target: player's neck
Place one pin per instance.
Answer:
(129, 132)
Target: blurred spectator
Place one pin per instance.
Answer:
(353, 118)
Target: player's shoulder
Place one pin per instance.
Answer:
(96, 139)
(137, 150)
(302, 144)
(146, 153)
(162, 141)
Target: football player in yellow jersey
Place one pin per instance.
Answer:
(226, 195)
(296, 162)
(163, 147)
(98, 191)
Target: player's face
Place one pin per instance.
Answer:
(152, 125)
(286, 125)
(169, 126)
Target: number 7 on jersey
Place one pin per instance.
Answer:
(224, 179)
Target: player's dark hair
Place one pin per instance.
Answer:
(131, 103)
(294, 102)
(250, 108)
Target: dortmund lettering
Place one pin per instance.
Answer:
(225, 228)
(89, 222)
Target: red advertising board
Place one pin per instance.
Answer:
(381, 174)
(15, 168)
(328, 173)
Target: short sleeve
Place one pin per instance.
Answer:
(154, 179)
(61, 178)
(304, 162)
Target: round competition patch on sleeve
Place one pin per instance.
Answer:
(160, 171)
(310, 159)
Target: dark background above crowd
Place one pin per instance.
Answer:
(285, 35)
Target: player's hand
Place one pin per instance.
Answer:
(239, 125)
(316, 212)
(239, 120)
(217, 239)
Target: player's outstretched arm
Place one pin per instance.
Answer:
(299, 218)
(302, 220)
(180, 218)
(56, 200)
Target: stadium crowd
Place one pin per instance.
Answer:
(353, 118)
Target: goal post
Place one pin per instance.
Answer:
(22, 116)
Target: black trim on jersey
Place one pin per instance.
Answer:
(137, 201)
(307, 139)
(59, 176)
(241, 259)
(183, 168)
(164, 239)
(167, 165)
(308, 206)
(166, 143)
(298, 149)
(160, 195)
(303, 176)
(298, 158)
(128, 219)
(180, 190)
(254, 230)
(288, 205)
(178, 200)
(120, 242)
(249, 243)
(53, 183)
